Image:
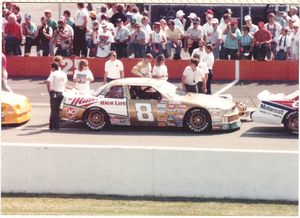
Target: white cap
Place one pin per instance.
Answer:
(214, 20)
(103, 23)
(192, 15)
(247, 17)
(294, 7)
(180, 13)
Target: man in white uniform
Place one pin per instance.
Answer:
(114, 68)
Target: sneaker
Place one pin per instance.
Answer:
(131, 56)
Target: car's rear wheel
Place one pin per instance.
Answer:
(96, 118)
(291, 122)
(198, 120)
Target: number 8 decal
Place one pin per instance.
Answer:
(144, 112)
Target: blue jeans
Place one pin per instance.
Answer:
(12, 45)
(281, 55)
(139, 51)
(170, 45)
(45, 47)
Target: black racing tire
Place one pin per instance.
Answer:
(291, 122)
(96, 118)
(198, 120)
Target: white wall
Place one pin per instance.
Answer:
(152, 172)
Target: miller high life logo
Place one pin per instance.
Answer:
(83, 102)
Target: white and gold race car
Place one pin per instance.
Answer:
(150, 102)
(15, 108)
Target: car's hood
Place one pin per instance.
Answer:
(266, 95)
(12, 98)
(209, 101)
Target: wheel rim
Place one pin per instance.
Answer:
(293, 123)
(96, 118)
(198, 120)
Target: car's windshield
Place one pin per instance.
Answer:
(171, 89)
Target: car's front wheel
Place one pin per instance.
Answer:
(198, 120)
(291, 122)
(96, 118)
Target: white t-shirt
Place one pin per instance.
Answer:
(147, 29)
(104, 37)
(80, 14)
(208, 29)
(284, 43)
(160, 71)
(276, 27)
(209, 59)
(113, 69)
(197, 33)
(83, 76)
(58, 80)
(295, 45)
(199, 52)
(203, 67)
(193, 77)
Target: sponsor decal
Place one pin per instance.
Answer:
(272, 109)
(295, 104)
(171, 106)
(83, 102)
(70, 112)
(113, 103)
(161, 123)
(171, 118)
(182, 106)
(179, 122)
(161, 108)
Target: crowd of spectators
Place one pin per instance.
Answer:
(128, 31)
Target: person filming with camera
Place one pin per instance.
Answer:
(43, 36)
(62, 38)
(233, 34)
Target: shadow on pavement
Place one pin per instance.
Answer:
(269, 132)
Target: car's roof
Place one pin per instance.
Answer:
(137, 81)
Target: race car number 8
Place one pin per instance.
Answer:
(144, 112)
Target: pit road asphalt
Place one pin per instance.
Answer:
(252, 136)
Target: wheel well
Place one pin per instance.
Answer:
(85, 113)
(290, 111)
(187, 112)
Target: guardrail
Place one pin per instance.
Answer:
(140, 171)
(223, 70)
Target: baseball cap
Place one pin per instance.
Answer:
(103, 23)
(133, 20)
(156, 24)
(47, 11)
(228, 11)
(180, 13)
(119, 20)
(209, 11)
(271, 14)
(196, 20)
(192, 15)
(214, 21)
(93, 14)
(247, 17)
(27, 16)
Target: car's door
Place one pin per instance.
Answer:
(143, 105)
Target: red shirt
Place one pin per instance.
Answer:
(14, 30)
(262, 35)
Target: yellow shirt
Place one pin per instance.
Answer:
(174, 35)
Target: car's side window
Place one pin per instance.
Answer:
(144, 93)
(115, 92)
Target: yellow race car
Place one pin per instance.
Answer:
(15, 108)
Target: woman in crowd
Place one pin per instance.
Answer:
(245, 44)
(83, 76)
(160, 70)
(157, 39)
(93, 41)
(143, 68)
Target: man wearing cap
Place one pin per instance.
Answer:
(216, 38)
(193, 35)
(174, 36)
(189, 22)
(208, 26)
(137, 45)
(28, 30)
(262, 38)
(105, 38)
(62, 38)
(131, 26)
(113, 68)
(295, 42)
(53, 24)
(274, 28)
(80, 29)
(122, 37)
(253, 28)
(231, 41)
(180, 20)
(293, 12)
